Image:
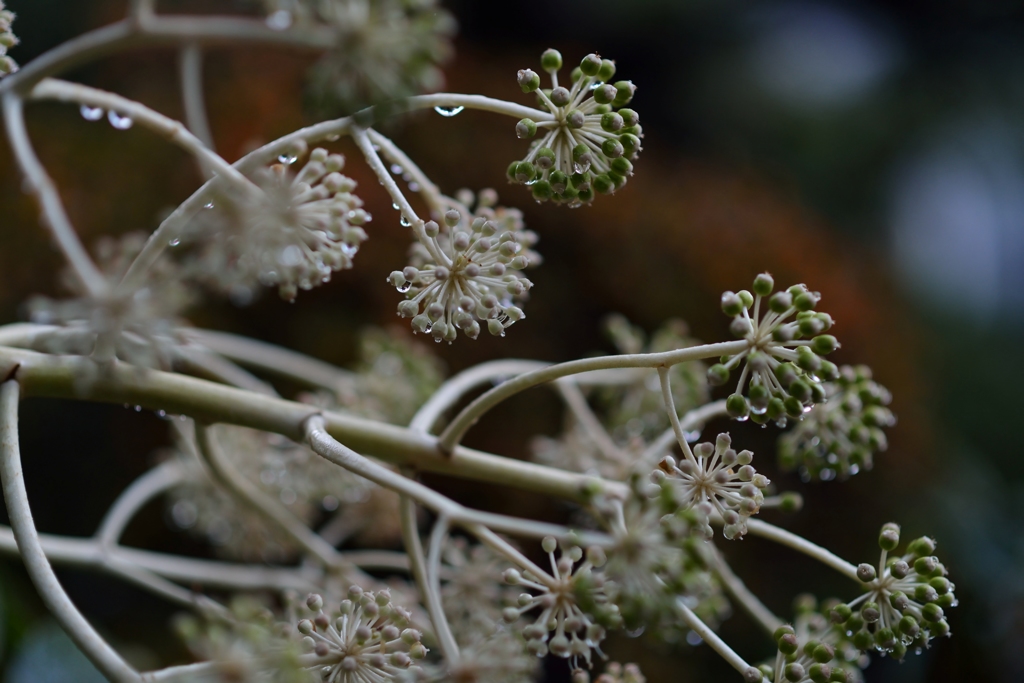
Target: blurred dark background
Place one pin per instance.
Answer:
(872, 150)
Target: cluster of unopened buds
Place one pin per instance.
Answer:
(838, 437)
(472, 277)
(712, 479)
(588, 143)
(783, 369)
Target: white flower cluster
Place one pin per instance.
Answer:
(292, 234)
(384, 49)
(715, 478)
(575, 608)
(136, 325)
(7, 41)
(783, 355)
(589, 144)
(471, 276)
(365, 638)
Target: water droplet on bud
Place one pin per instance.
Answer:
(449, 112)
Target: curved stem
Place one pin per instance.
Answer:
(673, 416)
(452, 391)
(717, 644)
(131, 500)
(257, 500)
(172, 592)
(592, 427)
(445, 639)
(81, 632)
(428, 190)
(199, 361)
(190, 65)
(801, 544)
(739, 591)
(454, 432)
(39, 183)
(690, 421)
(269, 358)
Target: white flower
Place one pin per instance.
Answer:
(292, 233)
(587, 146)
(707, 481)
(472, 276)
(7, 41)
(576, 608)
(366, 639)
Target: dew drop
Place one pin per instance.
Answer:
(404, 288)
(287, 159)
(333, 138)
(693, 638)
(404, 221)
(209, 206)
(396, 169)
(119, 122)
(449, 112)
(414, 187)
(279, 20)
(138, 409)
(91, 113)
(394, 206)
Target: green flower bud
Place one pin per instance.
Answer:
(718, 375)
(526, 128)
(612, 148)
(541, 190)
(763, 283)
(889, 537)
(625, 90)
(621, 166)
(824, 344)
(611, 122)
(606, 71)
(603, 184)
(590, 65)
(525, 172)
(736, 406)
(551, 60)
(528, 80)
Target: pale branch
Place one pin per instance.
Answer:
(427, 189)
(458, 427)
(254, 498)
(693, 419)
(750, 673)
(673, 416)
(132, 499)
(787, 538)
(42, 187)
(190, 66)
(81, 632)
(739, 591)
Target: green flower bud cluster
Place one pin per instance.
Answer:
(812, 650)
(905, 600)
(715, 479)
(366, 637)
(292, 234)
(385, 50)
(839, 436)
(473, 276)
(574, 613)
(783, 366)
(7, 41)
(589, 144)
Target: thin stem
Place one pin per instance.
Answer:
(458, 427)
(739, 591)
(673, 416)
(697, 417)
(185, 672)
(592, 427)
(749, 672)
(445, 639)
(800, 544)
(132, 499)
(362, 139)
(453, 390)
(190, 65)
(270, 358)
(428, 190)
(414, 550)
(199, 361)
(56, 600)
(53, 215)
(257, 500)
(166, 589)
(88, 554)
